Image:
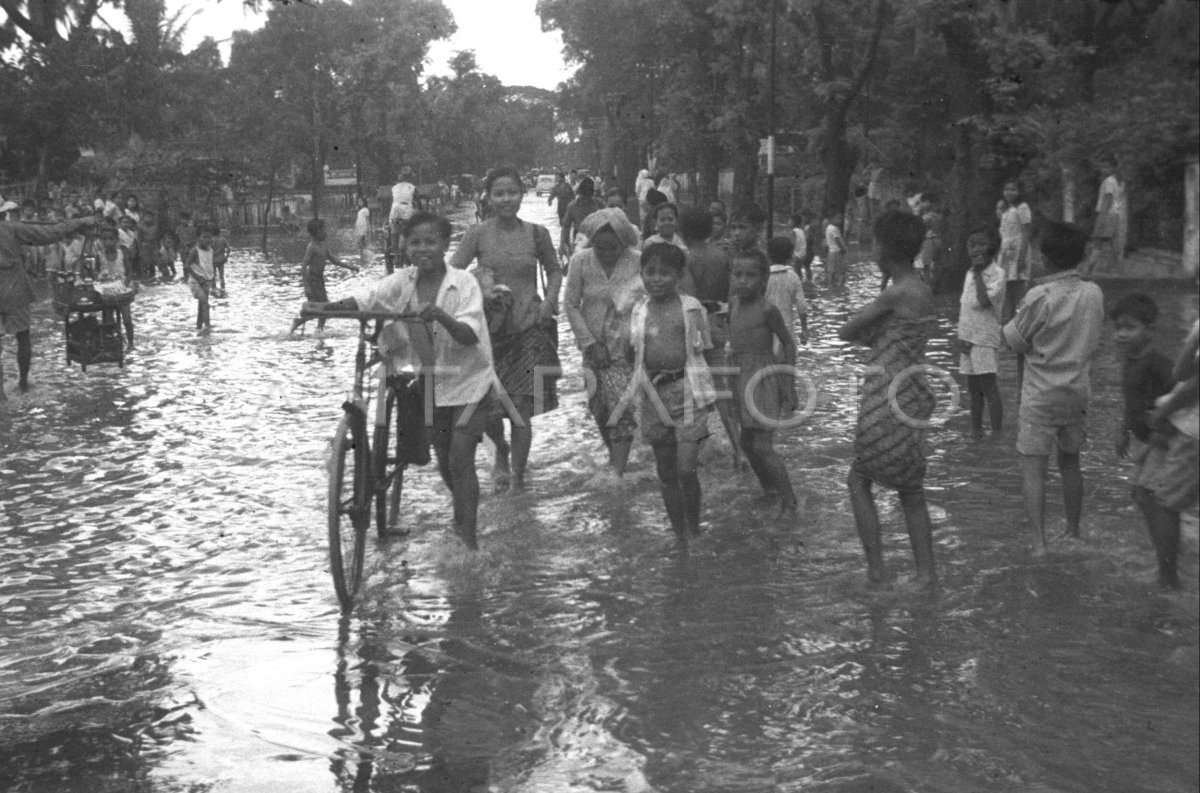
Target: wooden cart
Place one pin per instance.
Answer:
(91, 322)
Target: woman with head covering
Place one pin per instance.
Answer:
(510, 251)
(604, 281)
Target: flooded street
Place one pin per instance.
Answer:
(167, 621)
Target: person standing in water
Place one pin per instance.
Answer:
(763, 397)
(312, 269)
(889, 442)
(509, 252)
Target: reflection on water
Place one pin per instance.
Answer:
(167, 621)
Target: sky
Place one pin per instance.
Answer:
(506, 35)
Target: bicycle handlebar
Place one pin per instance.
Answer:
(361, 316)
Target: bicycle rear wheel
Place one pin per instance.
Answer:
(349, 506)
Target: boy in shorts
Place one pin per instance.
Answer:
(669, 334)
(1057, 329)
(1147, 374)
(455, 358)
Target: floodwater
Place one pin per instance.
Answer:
(167, 621)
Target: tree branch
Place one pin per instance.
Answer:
(868, 62)
(35, 32)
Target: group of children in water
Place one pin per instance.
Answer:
(750, 297)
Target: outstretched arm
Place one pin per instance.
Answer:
(782, 332)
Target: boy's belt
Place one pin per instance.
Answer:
(666, 377)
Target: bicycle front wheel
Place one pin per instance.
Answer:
(349, 506)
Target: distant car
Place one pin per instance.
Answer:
(545, 183)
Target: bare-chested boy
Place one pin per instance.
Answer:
(669, 333)
(707, 279)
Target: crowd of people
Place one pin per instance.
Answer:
(672, 308)
(105, 240)
(675, 307)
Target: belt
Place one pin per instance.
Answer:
(666, 377)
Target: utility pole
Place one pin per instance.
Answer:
(771, 126)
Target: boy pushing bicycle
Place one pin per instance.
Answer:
(455, 361)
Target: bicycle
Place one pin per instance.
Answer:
(364, 476)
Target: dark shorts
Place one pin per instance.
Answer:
(466, 419)
(682, 425)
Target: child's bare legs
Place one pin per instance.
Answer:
(455, 452)
(1072, 485)
(866, 520)
(220, 268)
(920, 534)
(768, 466)
(1034, 468)
(1033, 486)
(501, 474)
(522, 442)
(618, 455)
(1163, 525)
(127, 320)
(983, 388)
(676, 464)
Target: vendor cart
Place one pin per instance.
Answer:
(91, 320)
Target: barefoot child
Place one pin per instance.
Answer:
(1147, 376)
(707, 279)
(754, 326)
(669, 335)
(458, 363)
(1057, 329)
(312, 269)
(889, 442)
(199, 273)
(362, 229)
(220, 257)
(785, 290)
(979, 328)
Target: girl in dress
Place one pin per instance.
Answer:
(763, 398)
(200, 273)
(889, 443)
(509, 252)
(1016, 223)
(362, 229)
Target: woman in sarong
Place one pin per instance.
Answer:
(509, 253)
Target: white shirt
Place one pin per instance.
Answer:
(1111, 186)
(800, 241)
(833, 239)
(402, 201)
(462, 374)
(976, 324)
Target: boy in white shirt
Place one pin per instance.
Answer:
(456, 363)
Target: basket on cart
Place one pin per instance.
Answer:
(91, 319)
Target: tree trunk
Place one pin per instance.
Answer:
(745, 173)
(839, 161)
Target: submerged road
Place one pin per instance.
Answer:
(167, 621)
